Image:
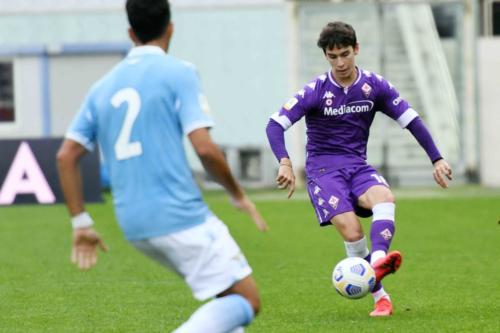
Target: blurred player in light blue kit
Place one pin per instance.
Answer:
(138, 114)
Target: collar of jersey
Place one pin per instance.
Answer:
(332, 80)
(145, 49)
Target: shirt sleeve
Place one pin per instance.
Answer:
(84, 126)
(393, 105)
(296, 107)
(191, 104)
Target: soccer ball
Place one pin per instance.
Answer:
(353, 277)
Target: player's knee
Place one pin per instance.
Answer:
(387, 196)
(353, 235)
(254, 301)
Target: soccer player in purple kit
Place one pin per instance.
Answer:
(339, 107)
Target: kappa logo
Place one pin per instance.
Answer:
(328, 94)
(312, 85)
(301, 93)
(321, 201)
(316, 189)
(366, 89)
(334, 202)
(290, 104)
(322, 77)
(386, 234)
(325, 212)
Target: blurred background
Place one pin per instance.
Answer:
(442, 55)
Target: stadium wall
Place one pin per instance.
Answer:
(489, 134)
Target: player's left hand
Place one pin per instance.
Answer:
(441, 170)
(84, 251)
(247, 206)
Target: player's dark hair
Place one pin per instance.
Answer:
(337, 34)
(148, 18)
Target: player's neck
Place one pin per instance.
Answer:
(346, 81)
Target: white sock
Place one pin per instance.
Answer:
(379, 294)
(377, 255)
(357, 248)
(220, 315)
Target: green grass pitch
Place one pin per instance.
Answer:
(449, 281)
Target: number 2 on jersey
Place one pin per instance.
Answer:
(124, 149)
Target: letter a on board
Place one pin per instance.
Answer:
(25, 177)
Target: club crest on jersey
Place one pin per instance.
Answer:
(386, 234)
(290, 104)
(334, 202)
(366, 89)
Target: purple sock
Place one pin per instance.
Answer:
(381, 235)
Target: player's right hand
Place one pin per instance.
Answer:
(247, 206)
(286, 178)
(84, 250)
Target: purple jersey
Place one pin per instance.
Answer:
(338, 119)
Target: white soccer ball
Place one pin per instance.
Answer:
(353, 277)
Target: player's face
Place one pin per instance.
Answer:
(342, 61)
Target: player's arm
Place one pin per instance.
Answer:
(442, 169)
(399, 109)
(290, 113)
(286, 177)
(85, 238)
(215, 164)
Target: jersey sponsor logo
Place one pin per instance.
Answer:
(386, 234)
(353, 107)
(290, 104)
(334, 202)
(366, 90)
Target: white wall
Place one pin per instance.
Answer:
(489, 80)
(71, 76)
(28, 100)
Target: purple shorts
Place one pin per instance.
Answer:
(338, 191)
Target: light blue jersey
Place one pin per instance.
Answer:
(139, 113)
